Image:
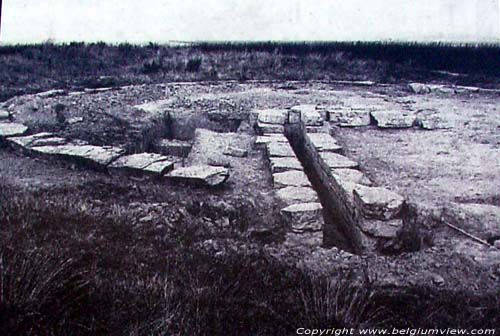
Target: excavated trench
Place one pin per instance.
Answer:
(338, 230)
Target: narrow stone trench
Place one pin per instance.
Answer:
(336, 231)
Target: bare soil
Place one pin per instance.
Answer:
(435, 169)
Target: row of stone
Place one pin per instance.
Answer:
(379, 207)
(108, 158)
(361, 116)
(303, 211)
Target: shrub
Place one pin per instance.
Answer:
(193, 64)
(40, 294)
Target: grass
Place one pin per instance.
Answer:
(35, 68)
(68, 266)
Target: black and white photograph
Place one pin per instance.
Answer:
(249, 167)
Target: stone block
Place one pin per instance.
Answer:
(381, 229)
(282, 164)
(273, 116)
(12, 129)
(350, 175)
(204, 175)
(324, 142)
(96, 156)
(393, 119)
(294, 195)
(304, 216)
(378, 203)
(279, 149)
(270, 128)
(292, 178)
(334, 160)
(142, 163)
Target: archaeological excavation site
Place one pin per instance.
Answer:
(397, 185)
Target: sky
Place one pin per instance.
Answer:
(34, 21)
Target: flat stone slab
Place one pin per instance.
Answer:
(282, 164)
(304, 216)
(273, 116)
(4, 115)
(279, 149)
(265, 139)
(294, 195)
(309, 115)
(436, 121)
(324, 142)
(142, 163)
(378, 203)
(205, 175)
(85, 154)
(235, 151)
(26, 141)
(270, 128)
(393, 119)
(350, 175)
(334, 160)
(348, 117)
(381, 229)
(173, 147)
(12, 129)
(292, 178)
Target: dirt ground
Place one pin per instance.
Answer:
(438, 170)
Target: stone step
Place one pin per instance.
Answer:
(265, 139)
(334, 160)
(324, 142)
(393, 119)
(294, 195)
(283, 164)
(204, 175)
(292, 178)
(350, 175)
(279, 149)
(377, 202)
(143, 163)
(304, 216)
